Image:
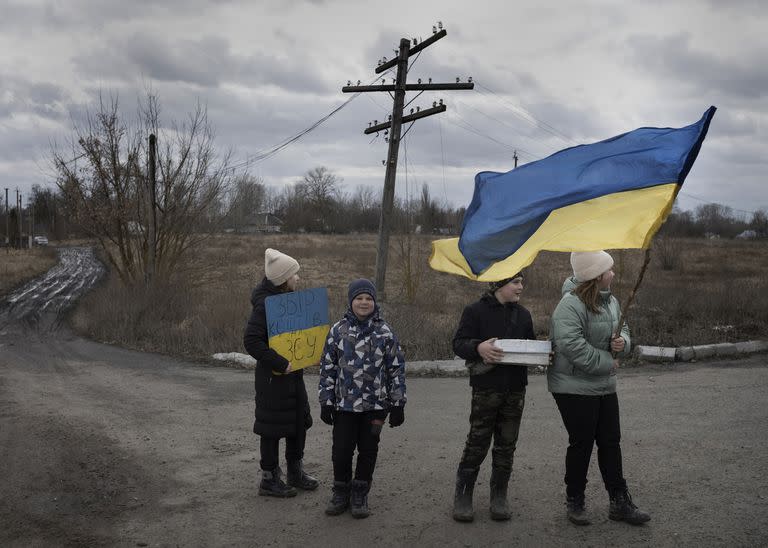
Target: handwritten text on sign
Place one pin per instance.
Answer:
(297, 323)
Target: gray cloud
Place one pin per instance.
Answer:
(267, 71)
(673, 59)
(42, 99)
(96, 13)
(207, 62)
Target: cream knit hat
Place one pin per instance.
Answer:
(588, 265)
(279, 267)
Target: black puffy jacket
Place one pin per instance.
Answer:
(483, 320)
(282, 407)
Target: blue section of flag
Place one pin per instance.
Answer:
(297, 310)
(507, 208)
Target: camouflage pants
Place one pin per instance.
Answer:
(495, 415)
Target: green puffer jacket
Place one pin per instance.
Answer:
(581, 341)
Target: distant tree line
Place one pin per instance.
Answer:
(42, 213)
(716, 220)
(319, 202)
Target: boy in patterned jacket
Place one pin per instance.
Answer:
(362, 379)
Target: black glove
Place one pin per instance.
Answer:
(307, 420)
(396, 416)
(326, 414)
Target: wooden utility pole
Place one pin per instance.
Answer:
(18, 215)
(7, 225)
(149, 274)
(399, 88)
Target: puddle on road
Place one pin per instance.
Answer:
(40, 304)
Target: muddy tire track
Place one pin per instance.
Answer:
(42, 303)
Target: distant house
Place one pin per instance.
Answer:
(263, 221)
(747, 235)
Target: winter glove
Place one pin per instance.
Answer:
(396, 416)
(307, 420)
(326, 414)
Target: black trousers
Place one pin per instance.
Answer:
(590, 420)
(360, 431)
(270, 450)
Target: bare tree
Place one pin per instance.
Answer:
(105, 190)
(428, 210)
(717, 219)
(246, 199)
(321, 192)
(759, 223)
(363, 209)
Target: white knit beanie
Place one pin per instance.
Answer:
(588, 265)
(279, 267)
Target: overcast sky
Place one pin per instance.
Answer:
(548, 75)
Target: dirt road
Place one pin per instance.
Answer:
(41, 303)
(104, 446)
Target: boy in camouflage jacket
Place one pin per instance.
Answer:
(362, 380)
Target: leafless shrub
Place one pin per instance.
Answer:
(19, 265)
(669, 251)
(411, 263)
(723, 283)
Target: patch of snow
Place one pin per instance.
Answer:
(244, 360)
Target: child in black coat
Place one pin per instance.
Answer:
(282, 407)
(498, 392)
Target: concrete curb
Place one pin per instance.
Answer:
(701, 352)
(456, 367)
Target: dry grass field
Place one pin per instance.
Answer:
(713, 291)
(20, 265)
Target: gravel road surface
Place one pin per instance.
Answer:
(105, 446)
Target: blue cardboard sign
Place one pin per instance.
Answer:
(296, 311)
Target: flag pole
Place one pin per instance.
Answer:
(631, 298)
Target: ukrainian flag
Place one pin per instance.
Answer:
(608, 195)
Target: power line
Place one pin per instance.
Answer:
(497, 119)
(688, 195)
(469, 127)
(528, 117)
(268, 153)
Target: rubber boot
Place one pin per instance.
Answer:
(297, 477)
(358, 499)
(272, 485)
(576, 511)
(462, 499)
(623, 509)
(499, 507)
(340, 500)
